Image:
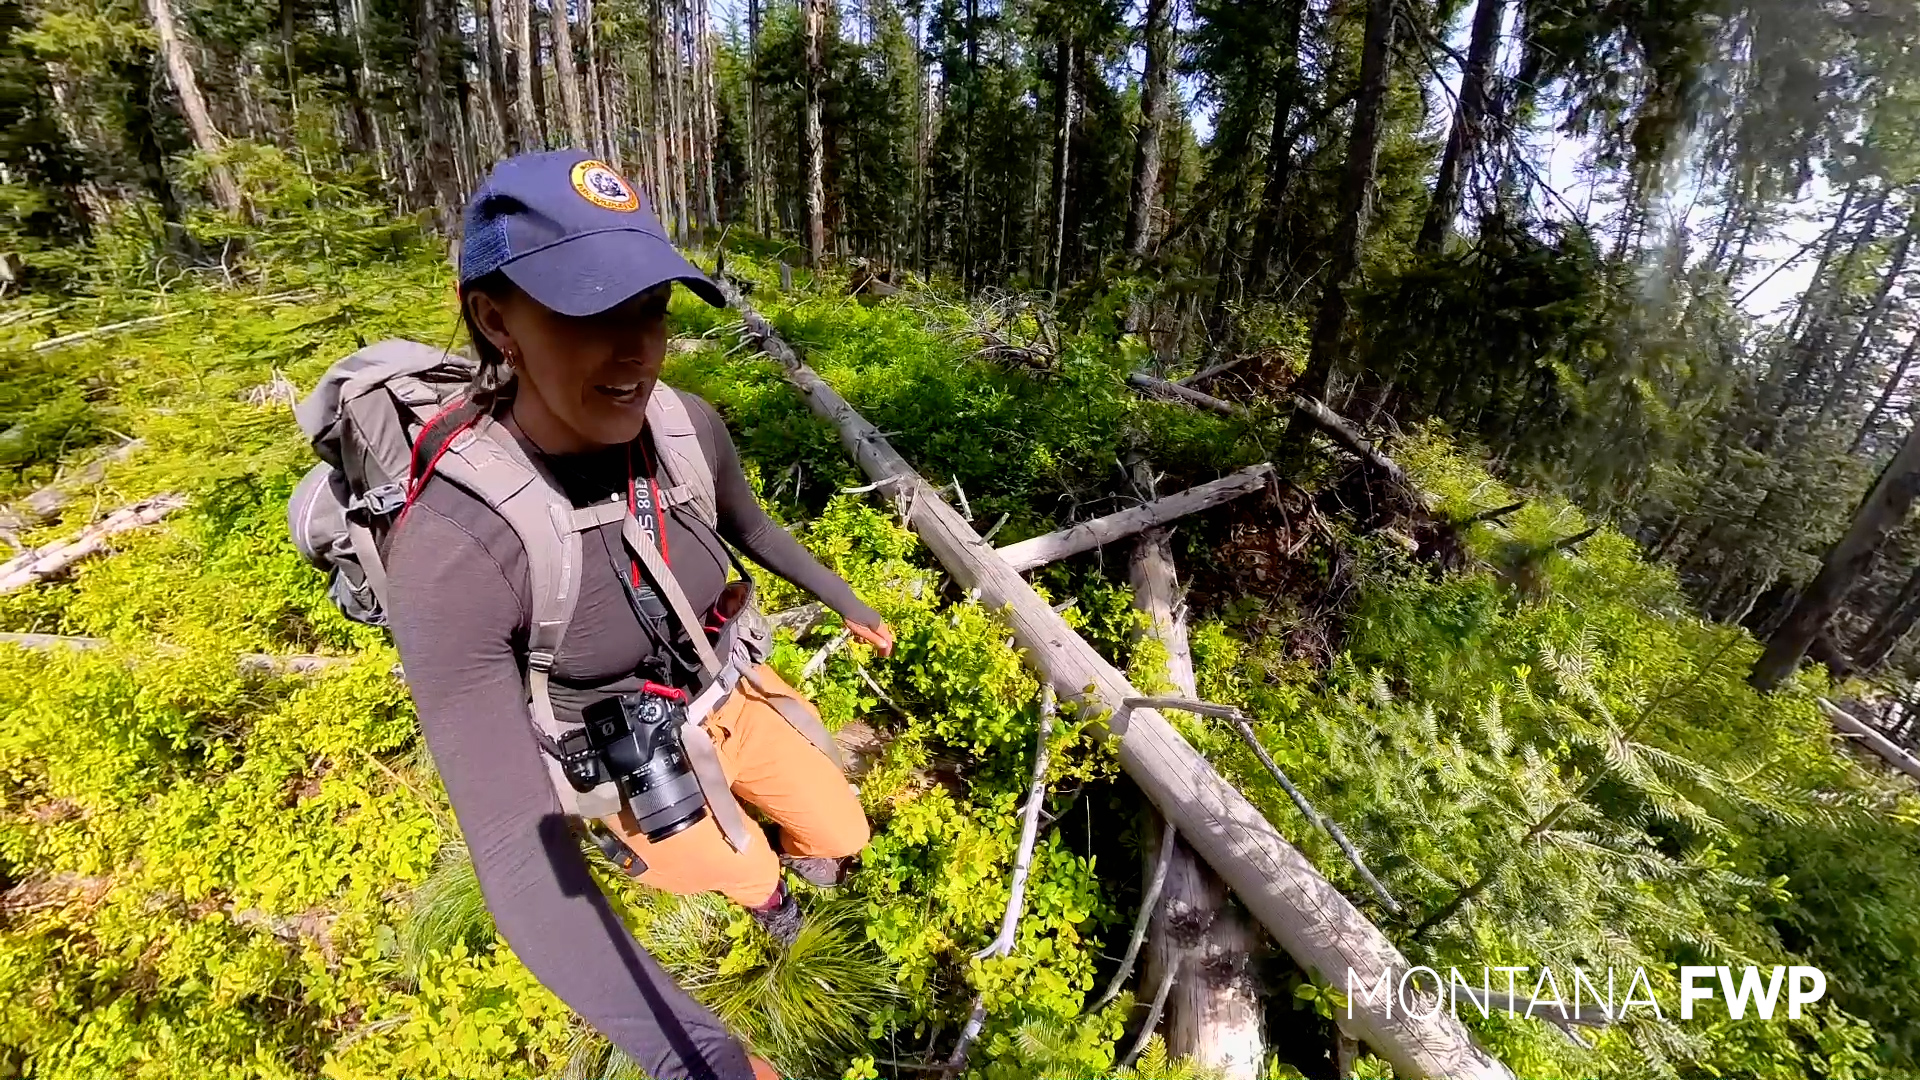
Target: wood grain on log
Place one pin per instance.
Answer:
(1100, 531)
(1306, 915)
(1213, 1013)
(56, 558)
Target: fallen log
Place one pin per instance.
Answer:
(130, 324)
(1853, 726)
(150, 320)
(46, 503)
(1087, 535)
(56, 558)
(1207, 373)
(1213, 1013)
(1330, 423)
(1306, 915)
(1142, 381)
(251, 663)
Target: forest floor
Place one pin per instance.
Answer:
(215, 871)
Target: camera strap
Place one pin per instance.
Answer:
(703, 757)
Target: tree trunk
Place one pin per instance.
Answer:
(755, 129)
(359, 133)
(492, 60)
(1819, 280)
(442, 181)
(708, 135)
(1350, 231)
(560, 30)
(1098, 532)
(1213, 1013)
(661, 105)
(970, 166)
(813, 14)
(1892, 624)
(1896, 265)
(1062, 141)
(137, 119)
(1469, 127)
(1279, 164)
(1879, 513)
(369, 84)
(173, 49)
(520, 30)
(677, 112)
(1158, 37)
(1887, 391)
(542, 110)
(600, 140)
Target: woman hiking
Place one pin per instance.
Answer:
(564, 282)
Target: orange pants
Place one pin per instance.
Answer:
(775, 769)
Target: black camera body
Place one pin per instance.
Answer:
(636, 743)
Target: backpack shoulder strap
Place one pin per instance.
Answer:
(684, 460)
(485, 460)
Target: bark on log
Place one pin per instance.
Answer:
(44, 505)
(55, 558)
(1329, 423)
(250, 663)
(1309, 918)
(1213, 1013)
(1087, 535)
(1871, 739)
(1141, 380)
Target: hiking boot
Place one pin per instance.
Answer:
(817, 870)
(779, 916)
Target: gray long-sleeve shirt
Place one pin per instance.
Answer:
(460, 603)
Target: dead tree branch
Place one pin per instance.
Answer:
(1002, 944)
(1245, 730)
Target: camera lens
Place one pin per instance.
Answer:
(639, 740)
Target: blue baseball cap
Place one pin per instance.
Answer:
(572, 233)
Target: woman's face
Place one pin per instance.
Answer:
(584, 381)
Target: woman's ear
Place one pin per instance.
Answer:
(491, 318)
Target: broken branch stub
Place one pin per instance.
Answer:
(1306, 915)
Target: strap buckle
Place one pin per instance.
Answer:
(386, 499)
(540, 660)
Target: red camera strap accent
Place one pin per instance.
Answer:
(659, 512)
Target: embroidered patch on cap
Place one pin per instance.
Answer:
(600, 185)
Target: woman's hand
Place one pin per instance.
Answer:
(879, 637)
(762, 1070)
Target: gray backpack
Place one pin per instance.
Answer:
(393, 413)
(363, 419)
(367, 419)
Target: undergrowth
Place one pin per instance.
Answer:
(221, 874)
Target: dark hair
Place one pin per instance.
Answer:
(492, 384)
